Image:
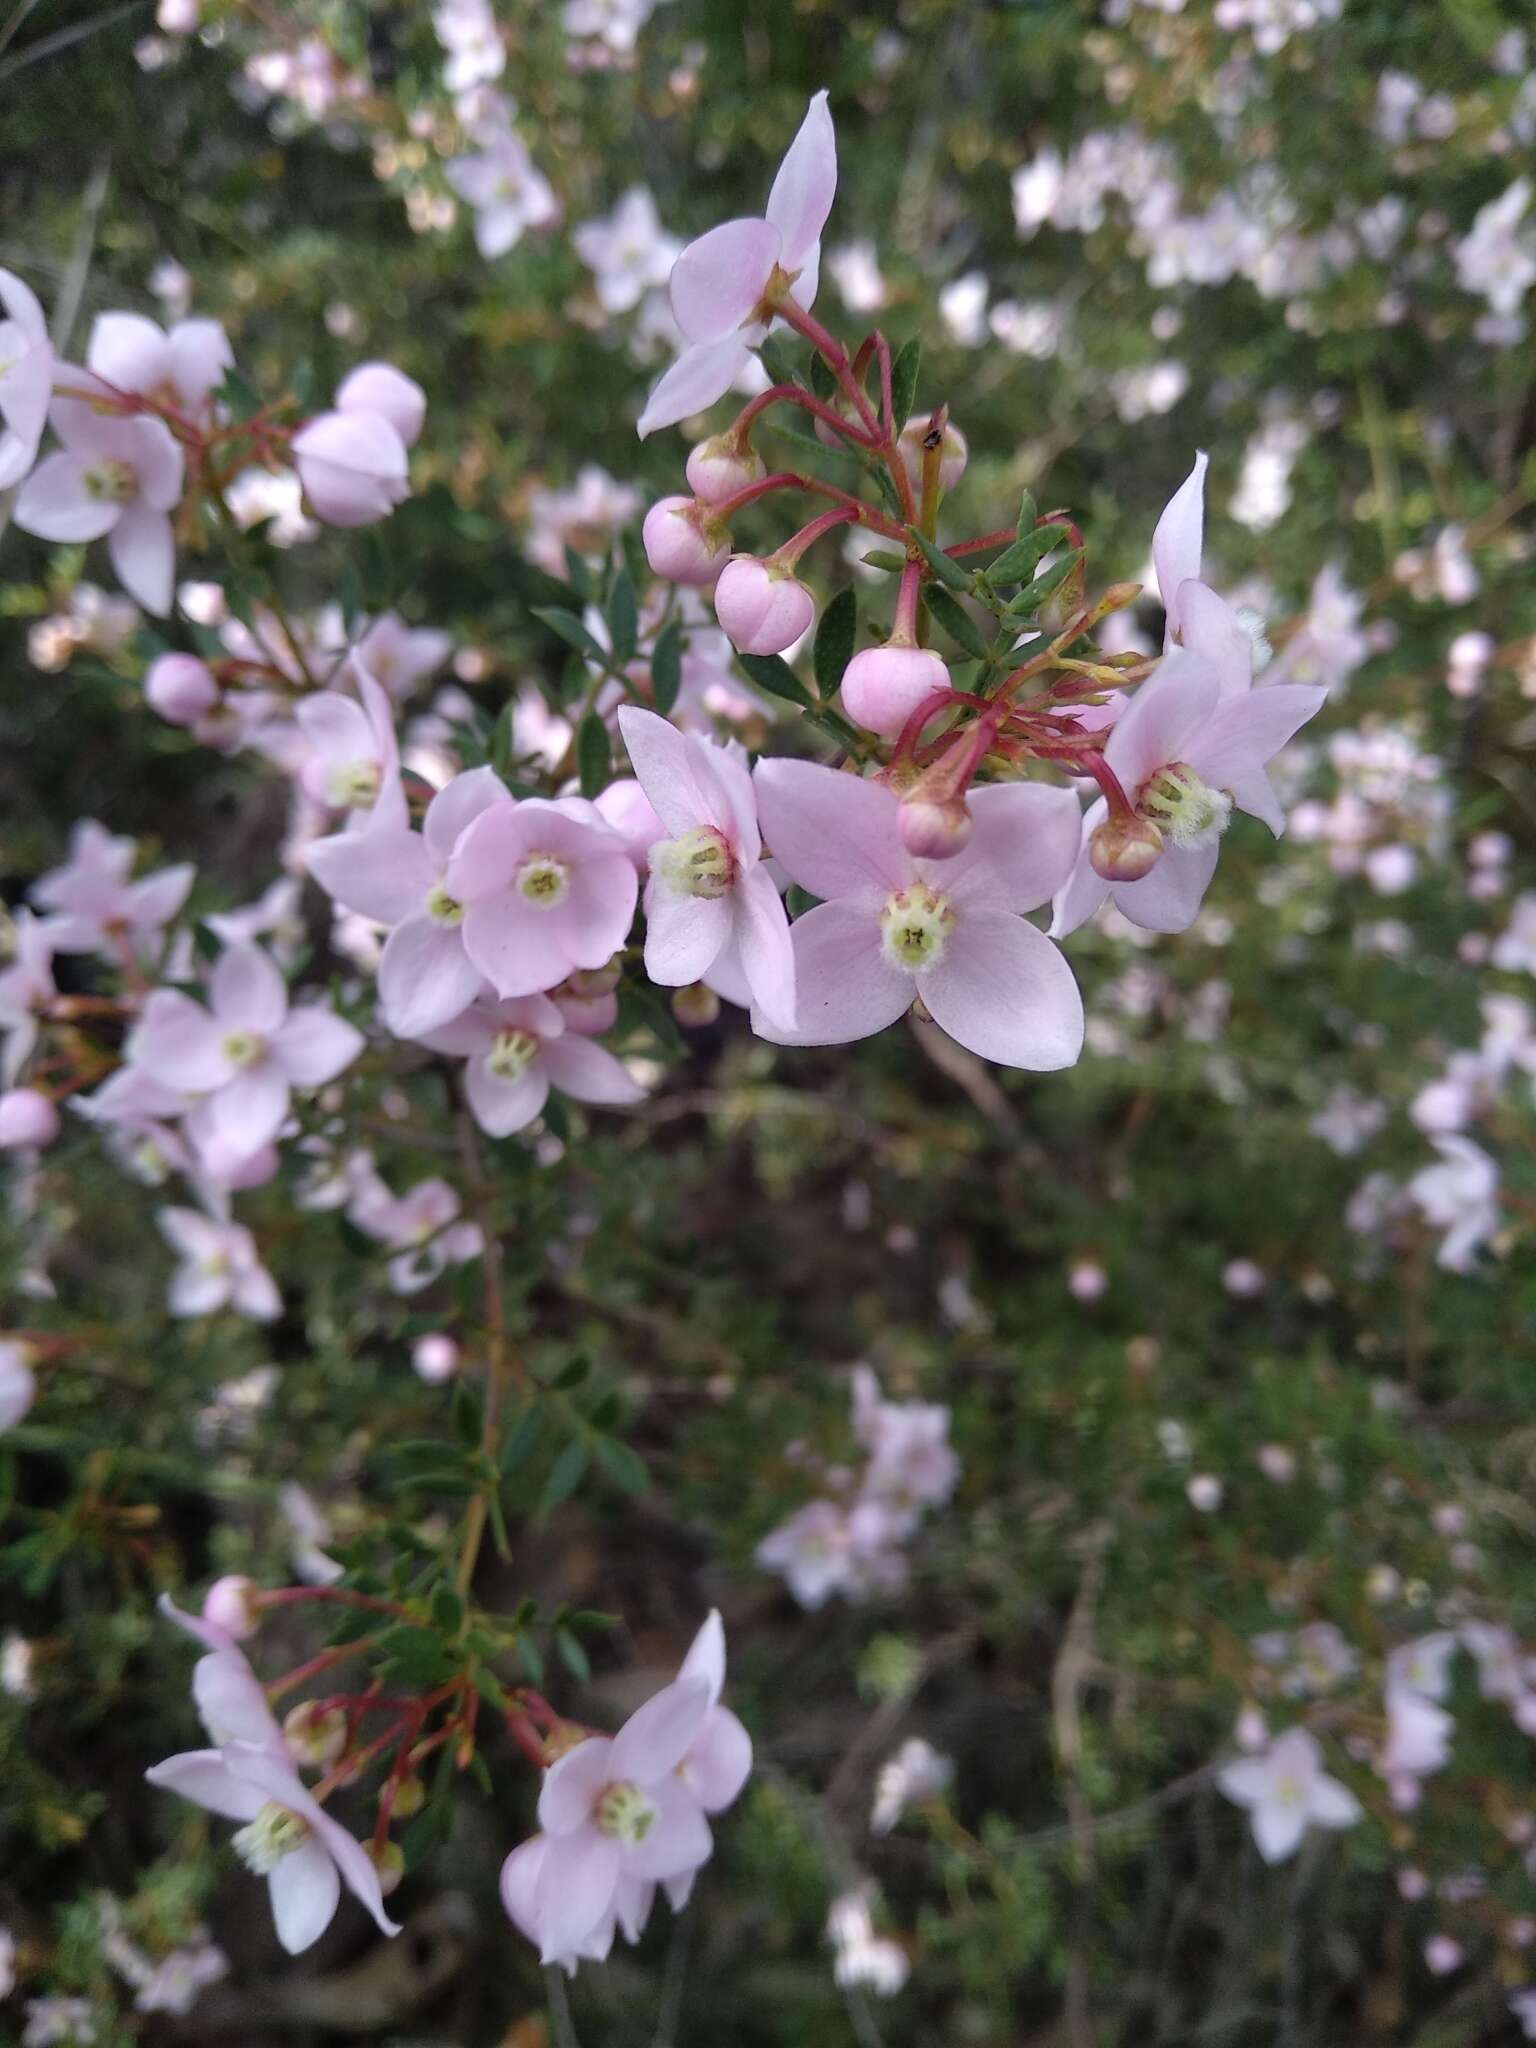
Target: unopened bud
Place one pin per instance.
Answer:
(589, 982)
(682, 543)
(883, 686)
(410, 1797)
(435, 1357)
(314, 1734)
(1124, 849)
(230, 1604)
(389, 1862)
(762, 609)
(695, 1005)
(27, 1120)
(181, 688)
(717, 469)
(935, 831)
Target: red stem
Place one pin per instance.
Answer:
(791, 394)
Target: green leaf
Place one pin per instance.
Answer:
(943, 566)
(565, 1475)
(428, 1831)
(415, 1656)
(518, 1444)
(667, 667)
(823, 382)
(885, 558)
(626, 1470)
(1017, 562)
(570, 630)
(1028, 514)
(958, 624)
(577, 574)
(501, 739)
(904, 381)
(835, 638)
(1033, 595)
(447, 1609)
(622, 617)
(594, 755)
(239, 397)
(777, 360)
(573, 1656)
(773, 673)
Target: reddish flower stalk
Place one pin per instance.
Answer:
(791, 394)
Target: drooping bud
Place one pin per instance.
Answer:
(932, 831)
(353, 467)
(410, 1797)
(315, 1735)
(1124, 849)
(762, 609)
(695, 1006)
(883, 686)
(382, 389)
(27, 1119)
(682, 543)
(181, 688)
(717, 469)
(229, 1604)
(952, 460)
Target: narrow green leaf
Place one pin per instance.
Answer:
(565, 1475)
(428, 1831)
(1028, 514)
(594, 755)
(517, 1446)
(948, 571)
(773, 673)
(570, 630)
(835, 638)
(667, 667)
(1033, 595)
(622, 616)
(777, 360)
(621, 1464)
(447, 1609)
(1017, 562)
(957, 623)
(823, 383)
(885, 558)
(501, 740)
(573, 1656)
(578, 575)
(239, 397)
(904, 371)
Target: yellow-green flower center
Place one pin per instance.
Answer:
(625, 1813)
(914, 927)
(697, 863)
(543, 880)
(275, 1833)
(1183, 807)
(511, 1054)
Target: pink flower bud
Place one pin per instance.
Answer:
(717, 469)
(695, 1005)
(435, 1357)
(388, 1860)
(761, 609)
(228, 1605)
(26, 1119)
(883, 686)
(315, 1735)
(352, 466)
(682, 543)
(1124, 849)
(181, 688)
(935, 831)
(952, 460)
(588, 1016)
(382, 389)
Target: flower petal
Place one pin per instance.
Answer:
(589, 1072)
(248, 992)
(574, 1889)
(306, 1890)
(665, 766)
(501, 1107)
(203, 1776)
(516, 947)
(805, 186)
(719, 280)
(700, 375)
(764, 947)
(656, 1737)
(1003, 990)
(1163, 718)
(573, 1785)
(1245, 732)
(1178, 539)
(55, 504)
(683, 934)
(678, 1839)
(178, 1044)
(315, 1044)
(720, 1761)
(706, 1655)
(382, 873)
(1169, 898)
(457, 805)
(845, 988)
(143, 551)
(836, 834)
(426, 977)
(1023, 846)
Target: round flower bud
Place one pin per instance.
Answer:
(682, 543)
(588, 1016)
(181, 688)
(1124, 849)
(952, 458)
(229, 1605)
(435, 1357)
(352, 466)
(883, 686)
(315, 1735)
(410, 1797)
(695, 1005)
(389, 1862)
(26, 1119)
(589, 982)
(382, 389)
(935, 831)
(762, 610)
(718, 469)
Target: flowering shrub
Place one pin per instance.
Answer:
(449, 1187)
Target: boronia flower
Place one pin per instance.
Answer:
(708, 889)
(515, 1052)
(26, 378)
(891, 928)
(1286, 1791)
(720, 281)
(219, 1268)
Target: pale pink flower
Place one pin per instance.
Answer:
(92, 903)
(619, 1810)
(626, 809)
(708, 887)
(353, 467)
(1423, 1666)
(380, 390)
(18, 1384)
(26, 378)
(28, 1119)
(354, 744)
(514, 1052)
(546, 887)
(179, 369)
(243, 1055)
(397, 877)
(276, 915)
(892, 928)
(1442, 1955)
(916, 1774)
(505, 187)
(1523, 2005)
(287, 1836)
(628, 252)
(1185, 751)
(911, 1463)
(720, 280)
(1287, 1790)
(220, 1268)
(718, 1761)
(522, 1898)
(26, 986)
(424, 1230)
(1461, 1197)
(826, 1548)
(399, 656)
(116, 478)
(1418, 1734)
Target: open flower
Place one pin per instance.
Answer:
(92, 902)
(26, 378)
(354, 745)
(179, 369)
(892, 928)
(720, 281)
(115, 477)
(219, 1268)
(708, 887)
(243, 1055)
(1185, 753)
(515, 1052)
(1286, 1791)
(25, 986)
(424, 1229)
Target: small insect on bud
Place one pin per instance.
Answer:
(682, 543)
(913, 443)
(695, 1005)
(935, 831)
(1125, 849)
(717, 469)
